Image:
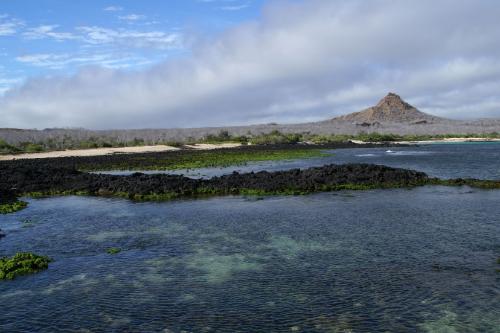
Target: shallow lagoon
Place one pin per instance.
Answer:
(371, 261)
(368, 261)
(451, 160)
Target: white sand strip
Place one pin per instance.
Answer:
(108, 151)
(208, 146)
(89, 152)
(447, 140)
(451, 140)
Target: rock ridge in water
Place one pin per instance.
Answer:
(7, 196)
(30, 178)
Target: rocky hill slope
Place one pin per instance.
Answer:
(390, 109)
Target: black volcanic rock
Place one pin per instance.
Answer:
(7, 195)
(39, 177)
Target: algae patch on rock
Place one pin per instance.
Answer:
(12, 207)
(21, 264)
(114, 250)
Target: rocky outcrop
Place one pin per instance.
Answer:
(45, 179)
(7, 195)
(390, 109)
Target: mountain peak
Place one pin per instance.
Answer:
(391, 108)
(393, 100)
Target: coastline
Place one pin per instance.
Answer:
(206, 146)
(110, 151)
(449, 140)
(423, 142)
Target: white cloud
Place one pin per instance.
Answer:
(301, 61)
(235, 7)
(132, 17)
(113, 9)
(8, 25)
(48, 31)
(42, 59)
(99, 35)
(7, 83)
(139, 39)
(215, 1)
(61, 61)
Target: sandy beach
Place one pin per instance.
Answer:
(108, 151)
(423, 142)
(450, 140)
(200, 146)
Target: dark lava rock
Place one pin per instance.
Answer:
(46, 177)
(7, 195)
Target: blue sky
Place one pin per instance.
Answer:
(58, 37)
(195, 63)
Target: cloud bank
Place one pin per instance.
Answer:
(301, 61)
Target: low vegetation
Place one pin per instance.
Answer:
(388, 137)
(6, 148)
(12, 207)
(224, 136)
(21, 264)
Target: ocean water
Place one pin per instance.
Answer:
(402, 260)
(463, 160)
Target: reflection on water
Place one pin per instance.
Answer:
(371, 261)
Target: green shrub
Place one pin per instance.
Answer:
(31, 147)
(6, 148)
(276, 137)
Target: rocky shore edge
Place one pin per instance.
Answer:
(30, 180)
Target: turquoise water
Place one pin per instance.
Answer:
(419, 260)
(372, 261)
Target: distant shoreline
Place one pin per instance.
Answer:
(449, 140)
(423, 142)
(204, 146)
(109, 151)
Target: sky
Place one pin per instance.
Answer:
(192, 63)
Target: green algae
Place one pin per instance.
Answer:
(21, 264)
(12, 207)
(474, 183)
(205, 159)
(114, 250)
